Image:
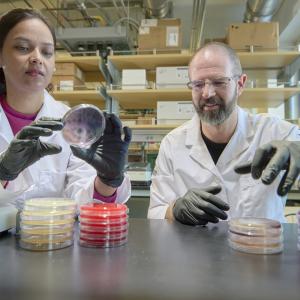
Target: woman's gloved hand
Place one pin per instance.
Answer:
(108, 155)
(270, 159)
(26, 148)
(198, 207)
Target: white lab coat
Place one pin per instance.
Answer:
(184, 162)
(60, 175)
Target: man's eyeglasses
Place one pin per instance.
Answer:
(217, 83)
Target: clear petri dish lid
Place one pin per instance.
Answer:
(84, 124)
(104, 209)
(255, 226)
(50, 204)
(271, 249)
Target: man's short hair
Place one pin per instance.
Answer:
(236, 64)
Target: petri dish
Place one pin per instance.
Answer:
(254, 249)
(84, 124)
(46, 223)
(106, 235)
(56, 229)
(98, 221)
(102, 243)
(50, 204)
(255, 226)
(44, 246)
(104, 210)
(103, 228)
(257, 241)
(47, 216)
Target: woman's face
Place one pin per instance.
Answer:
(28, 56)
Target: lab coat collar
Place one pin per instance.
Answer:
(239, 141)
(47, 109)
(198, 149)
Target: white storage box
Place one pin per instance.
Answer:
(174, 112)
(171, 77)
(134, 79)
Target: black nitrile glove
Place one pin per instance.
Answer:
(272, 158)
(198, 207)
(26, 148)
(108, 155)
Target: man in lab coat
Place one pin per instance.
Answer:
(197, 178)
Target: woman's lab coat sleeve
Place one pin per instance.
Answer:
(162, 190)
(80, 182)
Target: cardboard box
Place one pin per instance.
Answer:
(174, 112)
(65, 82)
(134, 79)
(69, 69)
(160, 34)
(172, 77)
(262, 36)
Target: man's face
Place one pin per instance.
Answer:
(215, 88)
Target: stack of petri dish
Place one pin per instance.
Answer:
(47, 224)
(255, 235)
(103, 225)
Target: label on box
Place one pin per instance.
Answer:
(66, 85)
(172, 33)
(144, 30)
(182, 74)
(79, 74)
(149, 22)
(185, 108)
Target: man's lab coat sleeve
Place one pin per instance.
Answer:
(162, 190)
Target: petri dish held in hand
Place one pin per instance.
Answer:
(83, 125)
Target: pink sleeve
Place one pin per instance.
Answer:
(109, 199)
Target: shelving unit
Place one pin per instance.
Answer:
(251, 97)
(260, 64)
(90, 65)
(80, 96)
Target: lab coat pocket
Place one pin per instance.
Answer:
(51, 184)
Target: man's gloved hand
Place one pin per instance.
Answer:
(198, 207)
(272, 158)
(26, 148)
(108, 155)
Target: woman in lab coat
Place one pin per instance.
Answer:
(35, 160)
(195, 179)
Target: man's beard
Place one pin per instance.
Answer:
(216, 116)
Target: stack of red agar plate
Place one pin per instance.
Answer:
(103, 225)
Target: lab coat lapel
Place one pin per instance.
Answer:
(239, 142)
(198, 149)
(6, 134)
